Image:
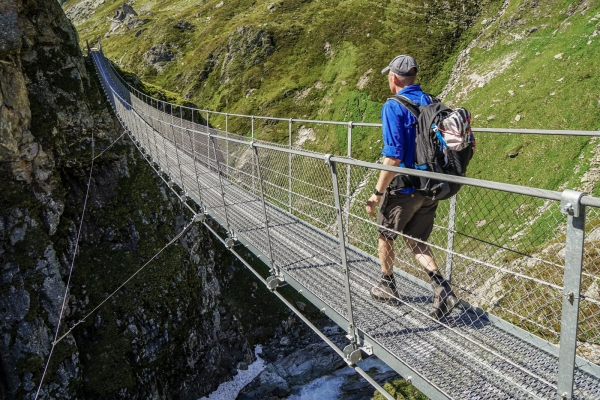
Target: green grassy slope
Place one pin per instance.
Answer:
(535, 67)
(320, 50)
(536, 62)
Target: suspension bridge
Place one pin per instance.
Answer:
(526, 270)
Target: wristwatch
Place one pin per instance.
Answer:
(376, 193)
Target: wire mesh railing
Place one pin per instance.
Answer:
(506, 250)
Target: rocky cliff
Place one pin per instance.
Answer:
(172, 332)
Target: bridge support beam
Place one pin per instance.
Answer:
(352, 351)
(571, 206)
(230, 232)
(450, 242)
(274, 270)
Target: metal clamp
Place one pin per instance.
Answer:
(570, 202)
(367, 348)
(200, 217)
(571, 296)
(229, 242)
(275, 281)
(327, 158)
(353, 354)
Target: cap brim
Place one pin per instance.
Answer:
(386, 69)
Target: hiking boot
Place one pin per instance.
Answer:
(444, 299)
(386, 290)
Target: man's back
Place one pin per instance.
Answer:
(399, 125)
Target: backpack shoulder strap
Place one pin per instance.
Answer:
(411, 106)
(433, 99)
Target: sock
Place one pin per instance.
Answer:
(388, 280)
(436, 277)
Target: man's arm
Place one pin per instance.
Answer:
(385, 178)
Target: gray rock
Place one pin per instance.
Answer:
(14, 305)
(158, 56)
(83, 10)
(183, 25)
(246, 47)
(285, 341)
(125, 19)
(18, 234)
(267, 384)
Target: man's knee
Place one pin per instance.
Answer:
(385, 243)
(416, 246)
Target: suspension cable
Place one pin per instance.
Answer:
(180, 234)
(110, 145)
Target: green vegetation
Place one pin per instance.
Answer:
(401, 389)
(321, 60)
(311, 58)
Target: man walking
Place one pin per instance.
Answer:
(402, 209)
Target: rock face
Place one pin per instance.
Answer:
(125, 18)
(171, 326)
(159, 55)
(246, 47)
(295, 360)
(82, 11)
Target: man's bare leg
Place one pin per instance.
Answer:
(444, 299)
(422, 254)
(386, 289)
(386, 255)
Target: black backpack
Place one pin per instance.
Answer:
(444, 144)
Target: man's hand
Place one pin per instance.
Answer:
(372, 203)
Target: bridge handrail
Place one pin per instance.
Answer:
(509, 188)
(560, 132)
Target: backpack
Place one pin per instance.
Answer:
(444, 144)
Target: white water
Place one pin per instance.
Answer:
(230, 390)
(329, 386)
(325, 387)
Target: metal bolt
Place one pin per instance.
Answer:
(569, 208)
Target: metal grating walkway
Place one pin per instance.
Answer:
(469, 356)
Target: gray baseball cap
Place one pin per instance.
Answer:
(402, 65)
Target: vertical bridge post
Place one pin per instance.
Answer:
(352, 351)
(253, 168)
(227, 142)
(231, 238)
(347, 203)
(291, 121)
(570, 205)
(272, 267)
(450, 242)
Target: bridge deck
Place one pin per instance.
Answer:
(468, 356)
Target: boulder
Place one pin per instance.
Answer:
(159, 55)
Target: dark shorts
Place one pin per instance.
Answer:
(411, 214)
